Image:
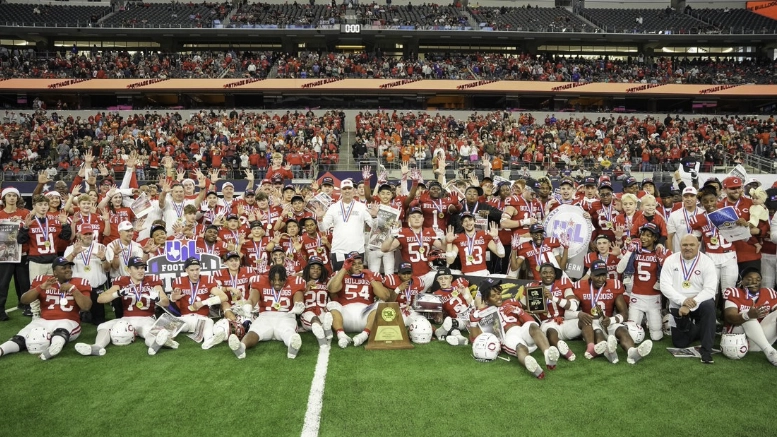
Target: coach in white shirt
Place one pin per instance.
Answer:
(347, 217)
(689, 280)
(678, 224)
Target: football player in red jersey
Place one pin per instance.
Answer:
(316, 318)
(404, 289)
(722, 252)
(521, 335)
(538, 251)
(747, 253)
(139, 295)
(233, 234)
(316, 243)
(457, 303)
(62, 297)
(209, 242)
(43, 235)
(234, 281)
(279, 298)
(436, 205)
(559, 298)
(603, 253)
(600, 298)
(753, 309)
(198, 293)
(472, 246)
(353, 290)
(255, 248)
(414, 244)
(643, 262)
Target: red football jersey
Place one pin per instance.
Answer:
(135, 293)
(44, 237)
(313, 247)
(119, 215)
(473, 259)
(406, 297)
(414, 248)
(229, 236)
(316, 298)
(743, 300)
(511, 314)
(55, 305)
(711, 239)
(524, 209)
(745, 249)
(603, 297)
(90, 219)
(558, 289)
(268, 217)
(218, 248)
(453, 303)
(535, 256)
(278, 301)
(358, 288)
(432, 208)
(240, 281)
(198, 291)
(610, 260)
(646, 271)
(255, 253)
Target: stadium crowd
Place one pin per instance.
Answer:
(98, 64)
(655, 256)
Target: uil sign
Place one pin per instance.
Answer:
(568, 224)
(170, 265)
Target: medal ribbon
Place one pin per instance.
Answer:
(687, 272)
(687, 220)
(538, 256)
(193, 291)
(608, 213)
(276, 296)
(88, 255)
(419, 238)
(178, 209)
(346, 214)
(44, 228)
(437, 207)
(137, 290)
(125, 257)
(470, 243)
(713, 228)
(233, 279)
(474, 208)
(595, 299)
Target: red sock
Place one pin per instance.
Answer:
(366, 331)
(590, 349)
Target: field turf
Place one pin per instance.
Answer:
(433, 390)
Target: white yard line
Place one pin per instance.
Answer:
(316, 398)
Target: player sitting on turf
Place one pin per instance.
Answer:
(404, 289)
(520, 333)
(61, 297)
(139, 295)
(196, 294)
(316, 318)
(753, 310)
(234, 282)
(600, 298)
(456, 305)
(353, 290)
(559, 298)
(279, 297)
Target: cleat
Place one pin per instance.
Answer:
(326, 323)
(534, 368)
(237, 347)
(772, 357)
(318, 332)
(160, 340)
(639, 352)
(447, 324)
(294, 345)
(360, 338)
(89, 349)
(612, 349)
(600, 348)
(218, 337)
(52, 351)
(565, 351)
(343, 341)
(551, 357)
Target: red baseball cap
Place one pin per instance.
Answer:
(732, 182)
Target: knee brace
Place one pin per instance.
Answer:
(20, 341)
(64, 333)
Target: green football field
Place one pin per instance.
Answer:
(433, 390)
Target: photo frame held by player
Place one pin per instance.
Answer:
(535, 300)
(386, 220)
(10, 250)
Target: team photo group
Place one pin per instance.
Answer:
(616, 264)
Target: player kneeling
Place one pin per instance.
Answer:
(316, 318)
(62, 297)
(456, 305)
(520, 333)
(404, 289)
(354, 289)
(599, 298)
(280, 300)
(751, 310)
(559, 298)
(139, 296)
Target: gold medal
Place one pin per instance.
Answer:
(608, 225)
(47, 244)
(596, 311)
(713, 240)
(455, 294)
(470, 259)
(441, 215)
(421, 250)
(191, 308)
(320, 250)
(87, 269)
(686, 284)
(290, 255)
(277, 305)
(537, 268)
(139, 305)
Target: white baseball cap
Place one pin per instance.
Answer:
(347, 183)
(125, 226)
(690, 190)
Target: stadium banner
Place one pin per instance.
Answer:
(170, 265)
(10, 250)
(567, 223)
(767, 9)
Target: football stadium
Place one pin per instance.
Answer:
(348, 218)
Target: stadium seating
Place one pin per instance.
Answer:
(529, 19)
(167, 15)
(49, 15)
(285, 15)
(644, 21)
(418, 16)
(735, 20)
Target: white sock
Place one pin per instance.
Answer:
(103, 338)
(9, 347)
(755, 333)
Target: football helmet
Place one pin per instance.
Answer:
(734, 346)
(37, 340)
(486, 347)
(122, 333)
(635, 331)
(237, 328)
(420, 331)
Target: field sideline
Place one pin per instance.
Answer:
(433, 390)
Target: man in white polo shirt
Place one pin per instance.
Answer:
(346, 218)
